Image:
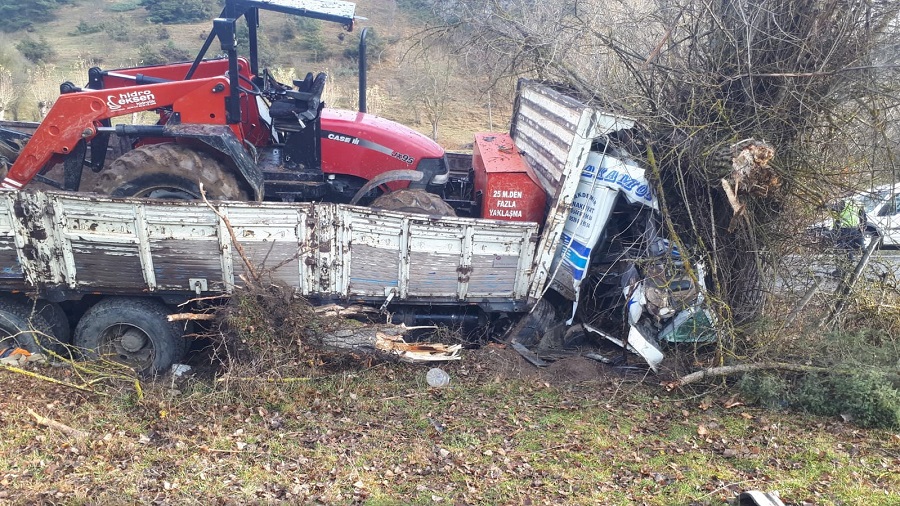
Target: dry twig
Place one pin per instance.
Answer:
(61, 427)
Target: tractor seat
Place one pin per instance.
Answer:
(299, 107)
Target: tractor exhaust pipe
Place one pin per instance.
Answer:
(362, 69)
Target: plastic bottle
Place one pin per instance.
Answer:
(437, 378)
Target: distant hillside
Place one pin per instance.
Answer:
(117, 33)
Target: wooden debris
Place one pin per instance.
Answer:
(61, 427)
(750, 175)
(417, 352)
(344, 311)
(177, 317)
(388, 339)
(738, 368)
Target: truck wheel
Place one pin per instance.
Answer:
(531, 328)
(57, 318)
(131, 331)
(413, 201)
(21, 327)
(170, 172)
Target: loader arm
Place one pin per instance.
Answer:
(78, 115)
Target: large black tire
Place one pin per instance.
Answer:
(131, 331)
(24, 327)
(57, 318)
(170, 172)
(413, 201)
(531, 328)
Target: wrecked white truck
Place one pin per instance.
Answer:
(585, 244)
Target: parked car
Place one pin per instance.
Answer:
(879, 205)
(882, 206)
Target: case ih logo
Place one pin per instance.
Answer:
(131, 100)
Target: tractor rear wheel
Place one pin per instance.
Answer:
(169, 172)
(413, 201)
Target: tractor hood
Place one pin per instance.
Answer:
(363, 145)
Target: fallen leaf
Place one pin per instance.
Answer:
(733, 402)
(702, 430)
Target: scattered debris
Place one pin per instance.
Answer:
(18, 356)
(528, 354)
(437, 377)
(417, 352)
(635, 343)
(757, 498)
(179, 370)
(387, 338)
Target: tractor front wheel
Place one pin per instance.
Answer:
(413, 201)
(169, 172)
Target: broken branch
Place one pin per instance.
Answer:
(49, 379)
(53, 424)
(237, 245)
(726, 370)
(177, 317)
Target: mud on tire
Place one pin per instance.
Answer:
(413, 201)
(171, 172)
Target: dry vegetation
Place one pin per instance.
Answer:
(501, 433)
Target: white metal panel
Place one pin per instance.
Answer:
(555, 132)
(10, 268)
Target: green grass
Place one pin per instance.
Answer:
(381, 437)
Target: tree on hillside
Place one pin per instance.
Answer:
(178, 11)
(9, 92)
(35, 51)
(814, 78)
(18, 14)
(43, 86)
(431, 86)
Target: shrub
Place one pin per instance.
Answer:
(119, 30)
(35, 50)
(766, 389)
(177, 11)
(128, 5)
(375, 49)
(147, 55)
(85, 28)
(17, 15)
(870, 398)
(173, 54)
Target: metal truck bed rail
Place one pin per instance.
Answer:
(80, 244)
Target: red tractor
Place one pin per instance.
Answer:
(227, 125)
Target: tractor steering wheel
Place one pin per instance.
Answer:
(254, 88)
